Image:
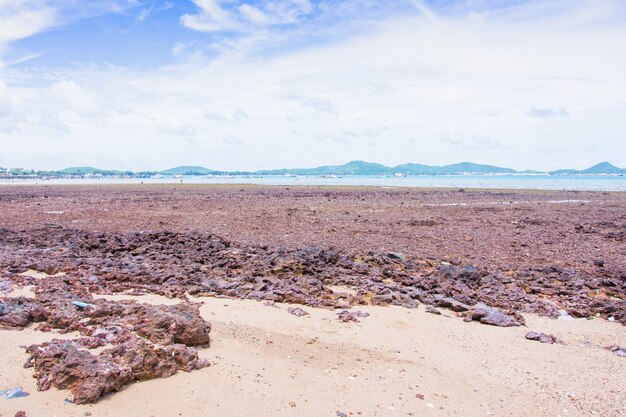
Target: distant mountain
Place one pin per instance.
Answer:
(351, 168)
(91, 170)
(188, 170)
(80, 170)
(603, 168)
(469, 167)
(369, 168)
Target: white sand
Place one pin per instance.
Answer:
(267, 362)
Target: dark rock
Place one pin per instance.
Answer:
(544, 338)
(618, 350)
(396, 255)
(432, 310)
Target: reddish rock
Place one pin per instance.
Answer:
(64, 365)
(544, 338)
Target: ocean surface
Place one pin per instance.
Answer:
(536, 182)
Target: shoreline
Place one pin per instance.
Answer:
(325, 250)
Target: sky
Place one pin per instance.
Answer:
(246, 85)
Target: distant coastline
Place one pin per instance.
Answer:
(351, 168)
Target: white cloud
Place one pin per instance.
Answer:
(213, 16)
(423, 87)
(20, 19)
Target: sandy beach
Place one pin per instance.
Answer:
(264, 360)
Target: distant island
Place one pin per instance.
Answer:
(351, 168)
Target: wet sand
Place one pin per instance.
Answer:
(266, 361)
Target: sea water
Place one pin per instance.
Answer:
(536, 182)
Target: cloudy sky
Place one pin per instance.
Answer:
(234, 84)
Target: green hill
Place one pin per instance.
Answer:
(603, 168)
(188, 170)
(369, 168)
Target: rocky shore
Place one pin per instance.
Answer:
(171, 242)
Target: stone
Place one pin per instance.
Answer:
(396, 255)
(492, 316)
(62, 364)
(618, 350)
(543, 338)
(432, 310)
(297, 311)
(450, 303)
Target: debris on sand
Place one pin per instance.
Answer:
(345, 316)
(494, 317)
(16, 392)
(618, 350)
(297, 311)
(432, 310)
(544, 338)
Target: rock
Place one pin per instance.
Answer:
(297, 311)
(599, 263)
(396, 255)
(618, 350)
(19, 312)
(432, 310)
(62, 364)
(544, 338)
(103, 262)
(451, 303)
(180, 323)
(5, 287)
(21, 414)
(89, 377)
(492, 316)
(351, 315)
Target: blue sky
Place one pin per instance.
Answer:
(232, 84)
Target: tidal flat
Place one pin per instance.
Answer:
(414, 301)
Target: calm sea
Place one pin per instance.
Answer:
(537, 182)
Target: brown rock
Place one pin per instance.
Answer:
(544, 338)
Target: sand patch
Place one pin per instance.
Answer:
(39, 275)
(268, 362)
(25, 291)
(342, 290)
